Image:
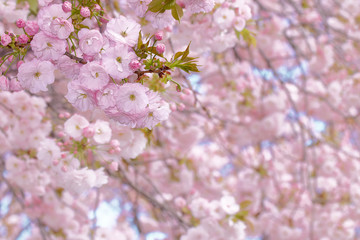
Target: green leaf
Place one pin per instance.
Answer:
(169, 4)
(156, 6)
(33, 4)
(177, 12)
(186, 52)
(245, 204)
(248, 37)
(140, 42)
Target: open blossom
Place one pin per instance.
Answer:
(48, 48)
(80, 97)
(36, 75)
(61, 28)
(79, 181)
(31, 28)
(123, 30)
(91, 41)
(116, 61)
(48, 21)
(196, 6)
(93, 76)
(102, 132)
(229, 205)
(132, 98)
(74, 126)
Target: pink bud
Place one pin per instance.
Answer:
(160, 48)
(18, 64)
(97, 8)
(187, 91)
(134, 65)
(63, 155)
(117, 149)
(178, 89)
(59, 144)
(20, 23)
(67, 6)
(114, 166)
(31, 28)
(10, 58)
(61, 115)
(4, 83)
(104, 19)
(180, 202)
(85, 12)
(114, 143)
(5, 39)
(173, 107)
(64, 168)
(88, 132)
(23, 39)
(159, 35)
(61, 134)
(181, 107)
(111, 151)
(67, 114)
(55, 162)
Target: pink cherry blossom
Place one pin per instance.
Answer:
(123, 30)
(36, 75)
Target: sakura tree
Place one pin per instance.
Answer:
(199, 119)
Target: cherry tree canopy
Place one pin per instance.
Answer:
(199, 119)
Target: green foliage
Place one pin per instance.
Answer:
(160, 6)
(248, 36)
(182, 61)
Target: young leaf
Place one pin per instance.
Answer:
(177, 12)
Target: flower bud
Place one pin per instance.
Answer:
(67, 6)
(159, 35)
(88, 132)
(134, 65)
(160, 48)
(181, 107)
(97, 8)
(85, 12)
(23, 39)
(20, 23)
(5, 39)
(114, 166)
(31, 28)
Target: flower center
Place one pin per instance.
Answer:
(37, 74)
(132, 97)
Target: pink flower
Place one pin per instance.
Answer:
(85, 12)
(123, 30)
(4, 83)
(102, 132)
(61, 28)
(134, 65)
(93, 76)
(74, 126)
(23, 39)
(132, 98)
(5, 39)
(116, 61)
(47, 19)
(36, 75)
(47, 48)
(79, 97)
(20, 23)
(196, 6)
(159, 35)
(31, 28)
(67, 6)
(91, 41)
(160, 48)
